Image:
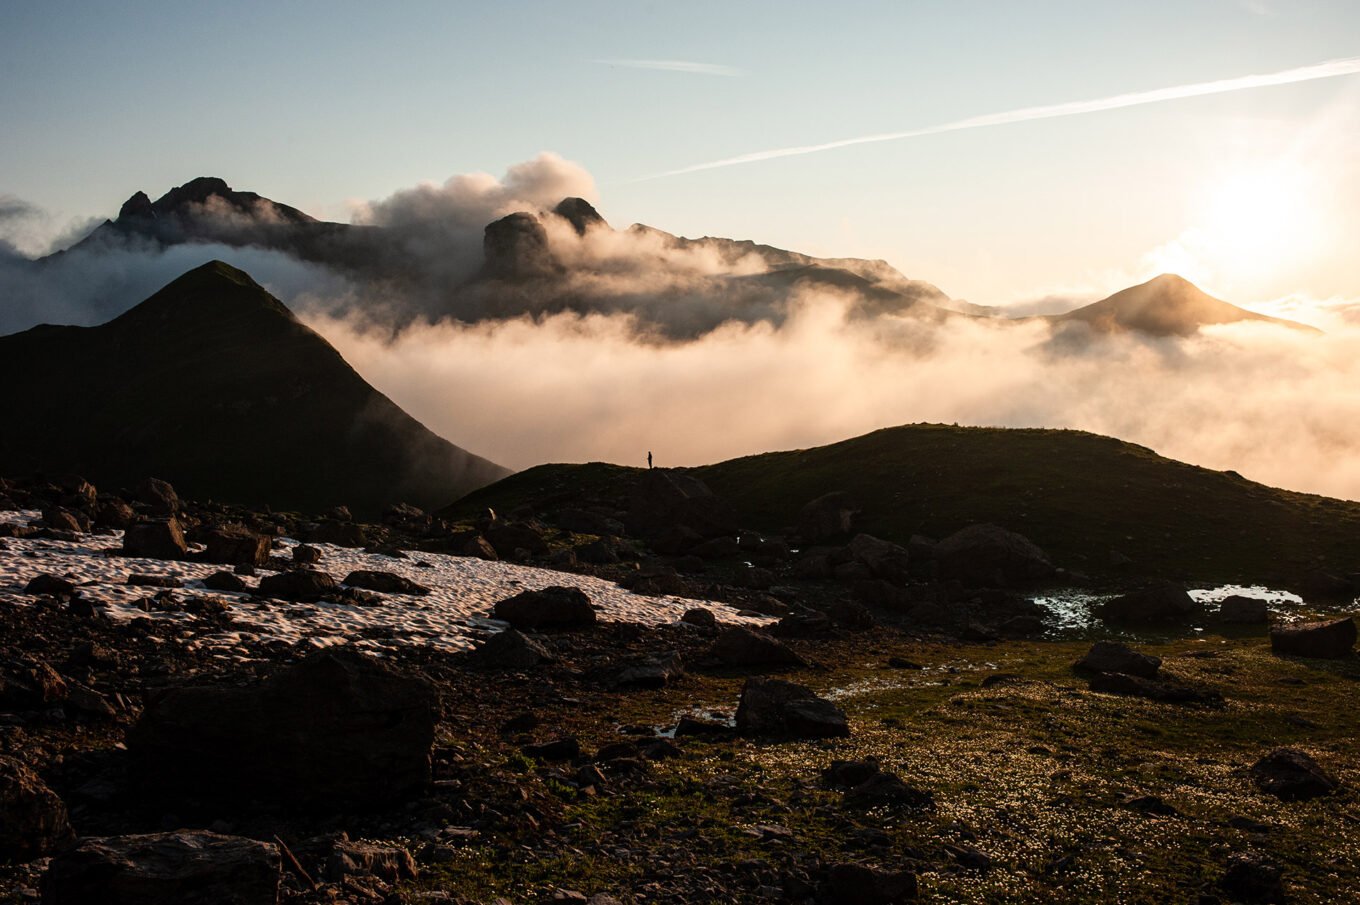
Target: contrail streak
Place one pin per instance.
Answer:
(1328, 70)
(675, 66)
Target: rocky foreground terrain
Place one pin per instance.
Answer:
(202, 703)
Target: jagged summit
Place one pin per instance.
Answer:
(516, 248)
(580, 213)
(187, 200)
(1166, 305)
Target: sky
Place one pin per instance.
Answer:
(1251, 193)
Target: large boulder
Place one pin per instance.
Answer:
(1330, 640)
(53, 585)
(828, 517)
(384, 583)
(991, 555)
(1111, 656)
(235, 545)
(187, 867)
(1160, 602)
(551, 608)
(1292, 776)
(300, 584)
(159, 539)
(33, 819)
(743, 647)
(337, 728)
(773, 708)
(883, 558)
(665, 498)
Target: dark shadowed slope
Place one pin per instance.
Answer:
(1078, 495)
(1167, 305)
(213, 385)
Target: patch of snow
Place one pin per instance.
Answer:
(453, 616)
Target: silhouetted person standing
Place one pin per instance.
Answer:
(649, 458)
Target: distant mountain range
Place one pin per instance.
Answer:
(522, 272)
(214, 385)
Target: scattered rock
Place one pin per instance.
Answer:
(224, 581)
(50, 584)
(188, 867)
(857, 884)
(306, 555)
(1330, 640)
(560, 749)
(1291, 775)
(33, 819)
(1111, 656)
(551, 608)
(743, 647)
(389, 863)
(510, 649)
(155, 581)
(161, 539)
(1167, 692)
(701, 617)
(234, 545)
(774, 708)
(656, 671)
(384, 583)
(307, 585)
(1251, 878)
(884, 789)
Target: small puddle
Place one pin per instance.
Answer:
(1070, 613)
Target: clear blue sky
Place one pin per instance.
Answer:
(316, 103)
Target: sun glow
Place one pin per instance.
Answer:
(1261, 220)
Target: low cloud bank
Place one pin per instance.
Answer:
(629, 341)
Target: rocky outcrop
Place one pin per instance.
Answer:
(188, 867)
(33, 820)
(516, 248)
(580, 213)
(338, 727)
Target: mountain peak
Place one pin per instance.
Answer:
(212, 292)
(580, 213)
(1166, 305)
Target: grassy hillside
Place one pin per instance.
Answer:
(213, 385)
(1078, 495)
